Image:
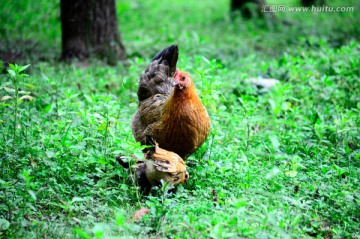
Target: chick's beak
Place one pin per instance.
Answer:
(186, 177)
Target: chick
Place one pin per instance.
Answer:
(164, 165)
(158, 164)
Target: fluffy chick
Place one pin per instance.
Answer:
(164, 165)
(158, 164)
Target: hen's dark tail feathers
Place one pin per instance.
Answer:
(120, 160)
(169, 57)
(157, 78)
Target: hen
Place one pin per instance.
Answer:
(159, 164)
(169, 107)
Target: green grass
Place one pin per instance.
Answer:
(277, 164)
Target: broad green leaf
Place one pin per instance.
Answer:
(120, 217)
(243, 158)
(102, 126)
(275, 142)
(240, 204)
(13, 67)
(102, 161)
(22, 68)
(286, 105)
(111, 133)
(98, 230)
(206, 60)
(32, 194)
(118, 152)
(28, 85)
(88, 98)
(5, 84)
(213, 107)
(82, 234)
(12, 73)
(4, 224)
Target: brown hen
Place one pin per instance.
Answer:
(169, 107)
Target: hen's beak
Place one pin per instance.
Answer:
(179, 85)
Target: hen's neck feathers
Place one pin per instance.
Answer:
(181, 106)
(184, 96)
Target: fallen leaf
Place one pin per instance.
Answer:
(140, 213)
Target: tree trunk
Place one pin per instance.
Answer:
(90, 28)
(246, 12)
(238, 4)
(309, 3)
(261, 10)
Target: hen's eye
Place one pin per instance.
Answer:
(182, 78)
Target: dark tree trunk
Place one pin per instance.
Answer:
(260, 9)
(241, 5)
(309, 3)
(90, 28)
(238, 4)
